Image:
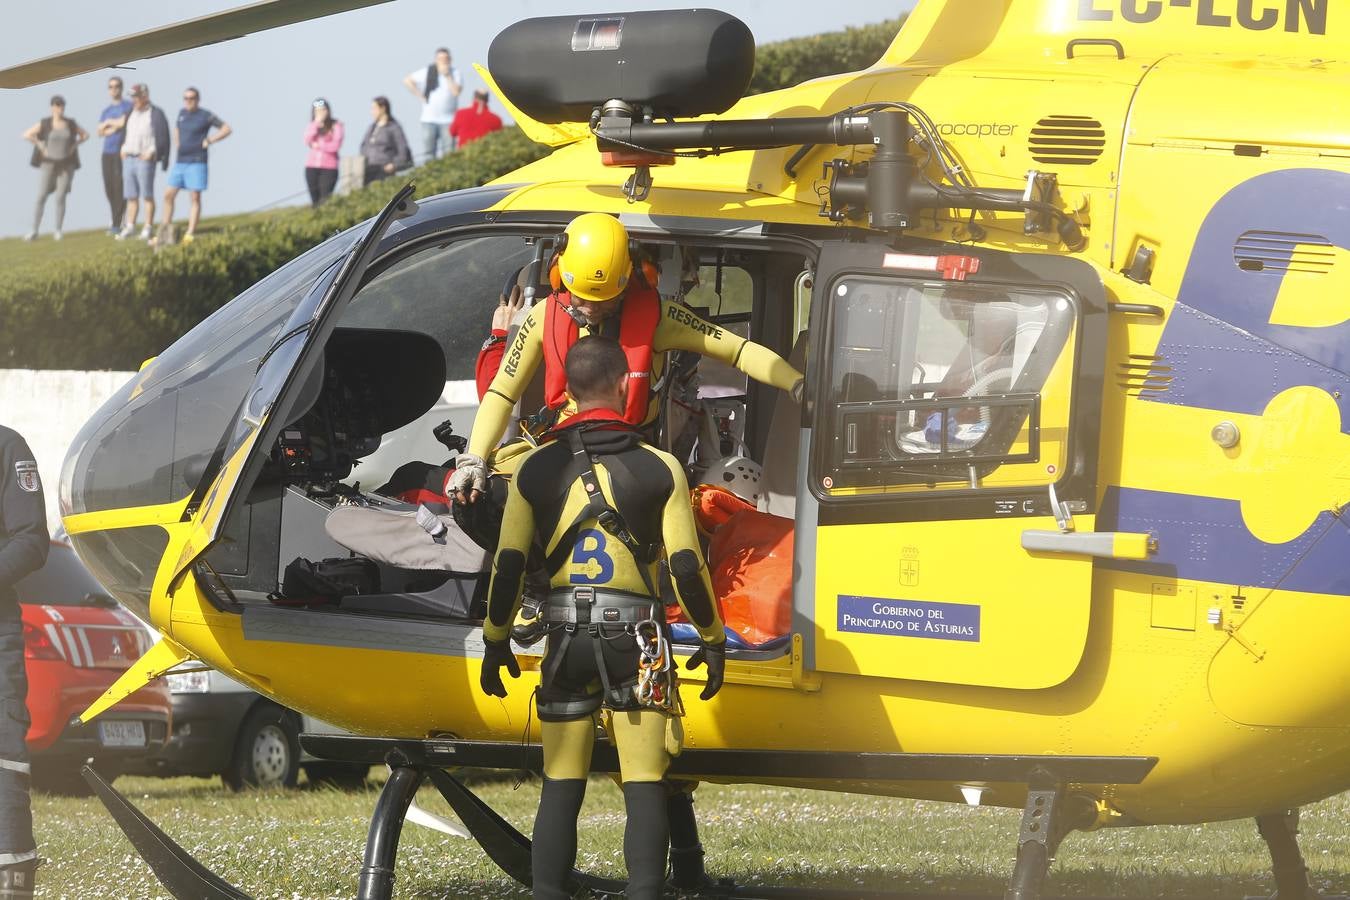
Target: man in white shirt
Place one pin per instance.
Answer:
(438, 87)
(145, 146)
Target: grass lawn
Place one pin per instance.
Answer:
(17, 255)
(307, 843)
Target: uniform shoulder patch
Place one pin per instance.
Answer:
(27, 472)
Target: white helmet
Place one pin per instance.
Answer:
(739, 474)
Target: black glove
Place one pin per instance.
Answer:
(715, 655)
(495, 655)
(445, 433)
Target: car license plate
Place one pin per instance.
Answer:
(121, 734)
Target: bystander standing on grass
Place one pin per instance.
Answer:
(110, 128)
(145, 145)
(189, 172)
(56, 140)
(323, 137)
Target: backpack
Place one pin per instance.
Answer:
(326, 582)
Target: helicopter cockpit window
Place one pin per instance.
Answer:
(447, 292)
(935, 385)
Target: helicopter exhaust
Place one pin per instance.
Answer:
(890, 191)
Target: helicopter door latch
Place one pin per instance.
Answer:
(1062, 511)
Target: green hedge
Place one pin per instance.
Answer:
(785, 63)
(114, 310)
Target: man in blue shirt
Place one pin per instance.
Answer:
(189, 169)
(111, 127)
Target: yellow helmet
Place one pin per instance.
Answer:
(594, 264)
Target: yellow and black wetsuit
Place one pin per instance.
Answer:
(598, 591)
(677, 329)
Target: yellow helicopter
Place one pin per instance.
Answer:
(1070, 282)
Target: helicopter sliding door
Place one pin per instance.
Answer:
(953, 457)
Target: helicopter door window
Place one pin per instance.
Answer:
(730, 308)
(934, 385)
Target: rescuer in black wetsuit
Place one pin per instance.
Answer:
(23, 549)
(604, 508)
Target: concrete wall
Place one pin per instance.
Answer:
(48, 408)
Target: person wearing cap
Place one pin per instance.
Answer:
(56, 140)
(596, 291)
(323, 137)
(473, 122)
(145, 145)
(438, 87)
(110, 128)
(189, 172)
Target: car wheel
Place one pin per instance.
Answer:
(267, 751)
(344, 776)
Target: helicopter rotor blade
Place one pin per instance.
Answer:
(211, 29)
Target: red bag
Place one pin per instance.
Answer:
(750, 562)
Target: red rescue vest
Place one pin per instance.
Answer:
(598, 419)
(640, 315)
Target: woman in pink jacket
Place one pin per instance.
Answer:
(323, 137)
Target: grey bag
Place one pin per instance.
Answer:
(409, 539)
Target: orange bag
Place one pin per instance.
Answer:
(714, 505)
(750, 562)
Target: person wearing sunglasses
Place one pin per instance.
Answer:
(111, 127)
(189, 171)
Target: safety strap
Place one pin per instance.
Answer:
(570, 609)
(600, 509)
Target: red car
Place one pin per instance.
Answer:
(77, 641)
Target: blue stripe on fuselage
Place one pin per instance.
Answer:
(1205, 539)
(1223, 351)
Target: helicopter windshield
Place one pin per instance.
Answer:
(935, 382)
(150, 443)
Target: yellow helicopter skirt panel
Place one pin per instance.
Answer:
(958, 602)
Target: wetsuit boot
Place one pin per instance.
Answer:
(554, 852)
(686, 853)
(646, 838)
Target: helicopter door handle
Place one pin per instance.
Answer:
(1095, 42)
(1102, 544)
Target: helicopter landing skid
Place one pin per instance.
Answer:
(1051, 811)
(175, 868)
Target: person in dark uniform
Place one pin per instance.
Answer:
(23, 549)
(600, 509)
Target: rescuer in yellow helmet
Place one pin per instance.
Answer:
(597, 291)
